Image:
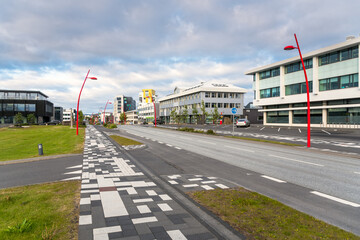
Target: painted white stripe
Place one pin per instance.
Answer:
(169, 145)
(195, 179)
(173, 182)
(165, 197)
(295, 160)
(279, 130)
(73, 178)
(336, 199)
(164, 207)
(190, 185)
(357, 172)
(326, 132)
(75, 172)
(239, 148)
(178, 148)
(273, 179)
(151, 192)
(207, 187)
(77, 166)
(212, 178)
(262, 128)
(176, 235)
(207, 182)
(222, 186)
(144, 220)
(299, 130)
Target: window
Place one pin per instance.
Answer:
(297, 88)
(231, 105)
(270, 92)
(238, 105)
(226, 95)
(213, 105)
(219, 95)
(220, 105)
(337, 56)
(346, 81)
(277, 117)
(207, 105)
(270, 73)
(30, 107)
(207, 94)
(8, 107)
(213, 95)
(19, 107)
(294, 67)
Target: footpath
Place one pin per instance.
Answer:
(118, 201)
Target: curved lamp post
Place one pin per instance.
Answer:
(105, 109)
(307, 88)
(77, 109)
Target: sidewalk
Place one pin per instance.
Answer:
(119, 202)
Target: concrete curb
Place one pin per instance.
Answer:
(38, 159)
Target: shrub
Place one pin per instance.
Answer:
(210, 131)
(112, 126)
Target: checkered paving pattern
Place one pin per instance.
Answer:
(119, 202)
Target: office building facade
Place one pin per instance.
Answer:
(333, 76)
(222, 96)
(147, 102)
(25, 102)
(122, 104)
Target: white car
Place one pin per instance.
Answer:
(242, 123)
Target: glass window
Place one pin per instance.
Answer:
(334, 57)
(237, 105)
(19, 107)
(213, 105)
(220, 105)
(207, 94)
(277, 117)
(219, 95)
(213, 95)
(10, 95)
(226, 95)
(8, 107)
(207, 105)
(345, 81)
(30, 107)
(231, 105)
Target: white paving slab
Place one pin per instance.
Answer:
(113, 205)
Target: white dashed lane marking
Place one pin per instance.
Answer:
(273, 179)
(336, 199)
(295, 160)
(238, 148)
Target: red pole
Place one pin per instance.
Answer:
(77, 109)
(307, 94)
(105, 110)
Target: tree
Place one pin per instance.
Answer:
(185, 114)
(18, 119)
(195, 113)
(31, 118)
(204, 113)
(173, 114)
(122, 117)
(81, 117)
(215, 115)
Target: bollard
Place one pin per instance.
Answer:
(40, 148)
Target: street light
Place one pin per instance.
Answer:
(77, 109)
(105, 109)
(307, 88)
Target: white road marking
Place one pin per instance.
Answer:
(178, 148)
(294, 160)
(336, 199)
(75, 172)
(279, 130)
(222, 186)
(77, 166)
(299, 130)
(195, 179)
(326, 132)
(273, 179)
(357, 172)
(190, 185)
(164, 207)
(207, 187)
(262, 128)
(168, 145)
(239, 148)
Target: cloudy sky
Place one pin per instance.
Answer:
(130, 45)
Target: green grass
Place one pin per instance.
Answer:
(266, 141)
(125, 141)
(50, 209)
(19, 143)
(259, 217)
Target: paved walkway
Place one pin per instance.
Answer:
(119, 202)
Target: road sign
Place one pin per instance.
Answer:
(233, 110)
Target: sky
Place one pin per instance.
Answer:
(130, 45)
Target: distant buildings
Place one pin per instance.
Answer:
(222, 96)
(67, 115)
(333, 75)
(122, 104)
(58, 115)
(146, 111)
(132, 117)
(25, 102)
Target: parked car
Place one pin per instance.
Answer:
(242, 123)
(159, 121)
(54, 122)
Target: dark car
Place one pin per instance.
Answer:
(159, 121)
(54, 122)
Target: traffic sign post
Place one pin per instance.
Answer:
(233, 110)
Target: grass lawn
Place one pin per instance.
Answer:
(19, 143)
(125, 141)
(259, 217)
(50, 209)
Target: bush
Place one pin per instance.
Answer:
(97, 123)
(105, 124)
(210, 131)
(112, 126)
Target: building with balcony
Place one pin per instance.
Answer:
(147, 102)
(222, 96)
(25, 102)
(132, 117)
(122, 104)
(333, 75)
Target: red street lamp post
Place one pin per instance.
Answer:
(307, 89)
(77, 109)
(105, 109)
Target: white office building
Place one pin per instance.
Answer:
(222, 96)
(148, 107)
(333, 75)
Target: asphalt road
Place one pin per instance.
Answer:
(34, 172)
(324, 185)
